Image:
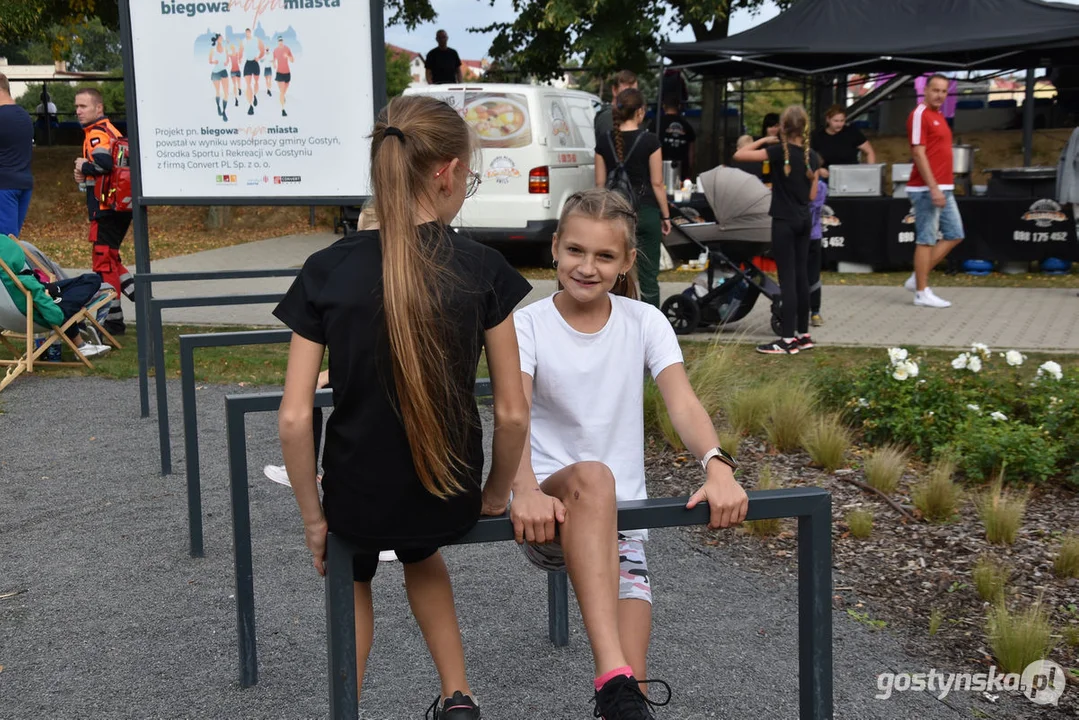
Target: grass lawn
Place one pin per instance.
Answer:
(265, 364)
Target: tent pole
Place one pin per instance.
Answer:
(659, 98)
(1028, 120)
(742, 109)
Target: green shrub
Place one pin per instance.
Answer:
(860, 523)
(789, 416)
(936, 619)
(747, 409)
(884, 467)
(826, 440)
(990, 577)
(716, 376)
(1066, 563)
(985, 446)
(1001, 512)
(937, 496)
(1018, 639)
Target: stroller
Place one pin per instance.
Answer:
(740, 230)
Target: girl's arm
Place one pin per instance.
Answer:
(756, 151)
(511, 414)
(655, 175)
(601, 171)
(298, 440)
(726, 499)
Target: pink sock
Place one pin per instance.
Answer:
(602, 679)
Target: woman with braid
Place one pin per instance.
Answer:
(793, 174)
(639, 152)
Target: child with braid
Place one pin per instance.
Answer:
(793, 176)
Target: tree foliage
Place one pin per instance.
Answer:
(398, 72)
(52, 21)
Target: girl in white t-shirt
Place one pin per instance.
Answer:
(583, 354)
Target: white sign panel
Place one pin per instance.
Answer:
(253, 98)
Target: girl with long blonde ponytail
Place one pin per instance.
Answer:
(405, 309)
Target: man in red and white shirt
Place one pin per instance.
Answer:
(936, 215)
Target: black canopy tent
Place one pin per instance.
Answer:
(835, 36)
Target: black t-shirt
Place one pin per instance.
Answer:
(372, 493)
(790, 193)
(443, 65)
(16, 145)
(636, 163)
(838, 149)
(676, 134)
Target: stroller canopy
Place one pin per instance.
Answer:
(740, 202)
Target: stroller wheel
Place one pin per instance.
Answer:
(777, 318)
(683, 312)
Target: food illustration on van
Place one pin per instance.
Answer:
(501, 120)
(502, 170)
(559, 126)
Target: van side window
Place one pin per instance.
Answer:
(581, 116)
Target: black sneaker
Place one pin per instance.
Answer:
(256, 99)
(779, 347)
(114, 327)
(805, 342)
(250, 110)
(458, 707)
(621, 699)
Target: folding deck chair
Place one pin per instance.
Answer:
(22, 328)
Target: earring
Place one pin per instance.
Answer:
(621, 277)
(554, 264)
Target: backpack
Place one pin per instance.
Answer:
(618, 179)
(113, 191)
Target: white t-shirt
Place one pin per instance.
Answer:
(588, 388)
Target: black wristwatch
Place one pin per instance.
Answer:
(720, 454)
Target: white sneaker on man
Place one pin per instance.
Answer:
(911, 284)
(90, 350)
(926, 298)
(277, 473)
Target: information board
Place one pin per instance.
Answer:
(253, 98)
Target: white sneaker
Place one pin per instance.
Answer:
(387, 556)
(911, 284)
(277, 473)
(927, 298)
(89, 350)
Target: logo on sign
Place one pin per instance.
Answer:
(1043, 213)
(502, 170)
(283, 179)
(226, 179)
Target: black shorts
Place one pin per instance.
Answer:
(267, 70)
(251, 67)
(365, 564)
(235, 73)
(284, 77)
(219, 75)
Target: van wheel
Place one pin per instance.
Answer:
(683, 312)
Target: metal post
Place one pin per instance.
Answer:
(340, 629)
(815, 612)
(162, 390)
(143, 293)
(1028, 120)
(241, 543)
(659, 103)
(191, 447)
(558, 608)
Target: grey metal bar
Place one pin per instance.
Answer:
(158, 344)
(558, 608)
(341, 613)
(318, 201)
(1028, 120)
(224, 275)
(241, 544)
(192, 467)
(815, 700)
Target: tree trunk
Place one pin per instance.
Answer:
(218, 217)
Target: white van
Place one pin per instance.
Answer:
(538, 147)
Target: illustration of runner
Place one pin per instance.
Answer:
(219, 74)
(282, 56)
(267, 70)
(234, 68)
(252, 50)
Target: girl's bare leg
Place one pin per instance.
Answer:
(365, 629)
(430, 595)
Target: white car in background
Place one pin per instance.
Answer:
(538, 148)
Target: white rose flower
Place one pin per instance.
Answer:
(912, 368)
(862, 402)
(997, 415)
(900, 372)
(1051, 368)
(974, 364)
(974, 408)
(1014, 358)
(980, 349)
(897, 355)
(960, 362)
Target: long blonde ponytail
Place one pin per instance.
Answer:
(422, 132)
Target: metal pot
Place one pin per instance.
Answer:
(962, 159)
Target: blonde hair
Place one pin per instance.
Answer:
(603, 205)
(743, 141)
(425, 134)
(794, 122)
(368, 219)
